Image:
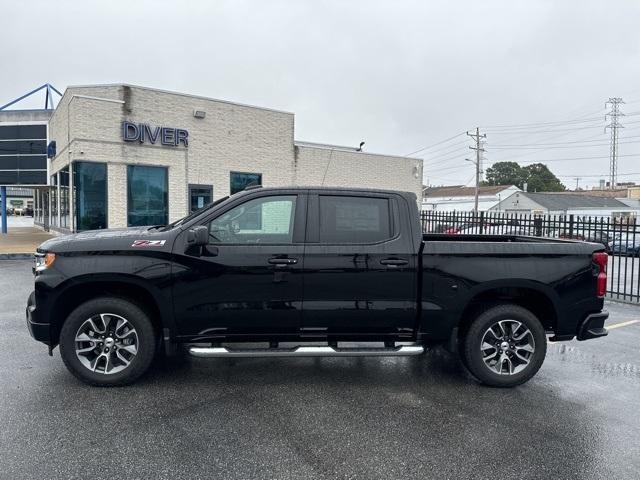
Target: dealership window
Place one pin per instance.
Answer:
(147, 195)
(199, 196)
(53, 198)
(64, 198)
(242, 180)
(354, 219)
(90, 187)
(261, 220)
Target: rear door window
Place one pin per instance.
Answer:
(346, 219)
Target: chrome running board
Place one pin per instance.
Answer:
(307, 351)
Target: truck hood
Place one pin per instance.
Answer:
(134, 238)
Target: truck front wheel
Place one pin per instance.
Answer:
(107, 342)
(504, 346)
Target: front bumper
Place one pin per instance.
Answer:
(593, 326)
(39, 331)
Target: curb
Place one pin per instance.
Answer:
(16, 256)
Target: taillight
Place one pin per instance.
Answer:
(600, 259)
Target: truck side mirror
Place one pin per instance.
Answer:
(198, 236)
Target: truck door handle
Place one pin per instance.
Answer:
(282, 261)
(394, 262)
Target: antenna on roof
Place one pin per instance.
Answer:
(359, 149)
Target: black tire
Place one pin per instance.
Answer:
(474, 358)
(135, 316)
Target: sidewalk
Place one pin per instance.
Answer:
(22, 240)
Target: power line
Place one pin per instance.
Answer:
(587, 140)
(580, 158)
(440, 161)
(552, 137)
(535, 147)
(506, 132)
(529, 125)
(454, 167)
(435, 144)
(461, 147)
(599, 175)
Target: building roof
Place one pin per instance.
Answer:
(342, 148)
(327, 146)
(170, 92)
(568, 201)
(617, 193)
(462, 191)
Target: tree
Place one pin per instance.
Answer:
(541, 179)
(537, 176)
(505, 173)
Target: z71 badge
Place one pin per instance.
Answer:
(148, 243)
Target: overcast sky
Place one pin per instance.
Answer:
(399, 75)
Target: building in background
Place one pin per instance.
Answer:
(462, 199)
(20, 200)
(566, 204)
(125, 155)
(23, 156)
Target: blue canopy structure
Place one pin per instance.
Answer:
(48, 100)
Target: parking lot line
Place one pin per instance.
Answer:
(621, 324)
(615, 325)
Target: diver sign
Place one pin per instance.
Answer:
(141, 132)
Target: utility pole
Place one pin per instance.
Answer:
(577, 179)
(478, 161)
(613, 126)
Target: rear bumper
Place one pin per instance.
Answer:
(38, 330)
(593, 326)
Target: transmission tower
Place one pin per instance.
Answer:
(613, 125)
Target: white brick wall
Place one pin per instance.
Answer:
(339, 168)
(230, 138)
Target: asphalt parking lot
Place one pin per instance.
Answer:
(415, 417)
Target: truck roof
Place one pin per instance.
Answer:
(326, 188)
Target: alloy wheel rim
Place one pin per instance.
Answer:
(106, 343)
(507, 347)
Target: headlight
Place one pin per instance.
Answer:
(44, 261)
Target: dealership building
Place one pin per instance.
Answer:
(123, 155)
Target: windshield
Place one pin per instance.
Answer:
(194, 214)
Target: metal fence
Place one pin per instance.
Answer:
(619, 236)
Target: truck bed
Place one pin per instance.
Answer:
(439, 243)
(552, 274)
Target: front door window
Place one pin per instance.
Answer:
(265, 220)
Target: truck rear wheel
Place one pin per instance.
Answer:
(504, 346)
(107, 342)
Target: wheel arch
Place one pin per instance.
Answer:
(84, 288)
(540, 300)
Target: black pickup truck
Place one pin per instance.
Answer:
(311, 272)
